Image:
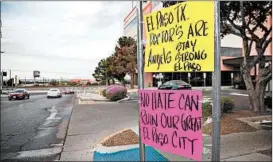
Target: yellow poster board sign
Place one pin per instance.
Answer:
(180, 38)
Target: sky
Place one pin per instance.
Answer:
(59, 39)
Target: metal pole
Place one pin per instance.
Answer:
(1, 82)
(216, 76)
(25, 81)
(140, 67)
(10, 79)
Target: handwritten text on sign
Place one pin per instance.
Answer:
(172, 120)
(180, 38)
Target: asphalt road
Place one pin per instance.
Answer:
(240, 97)
(33, 124)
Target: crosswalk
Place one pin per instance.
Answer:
(206, 99)
(238, 94)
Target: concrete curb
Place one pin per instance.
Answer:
(92, 99)
(63, 134)
(33, 154)
(248, 120)
(124, 99)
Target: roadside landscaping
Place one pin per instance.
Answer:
(267, 152)
(114, 92)
(126, 137)
(229, 124)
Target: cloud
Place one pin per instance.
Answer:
(81, 30)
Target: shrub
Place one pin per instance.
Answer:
(116, 93)
(104, 93)
(105, 89)
(227, 104)
(206, 109)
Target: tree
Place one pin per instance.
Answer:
(10, 82)
(115, 69)
(124, 60)
(54, 82)
(88, 83)
(246, 20)
(72, 83)
(102, 72)
(253, 16)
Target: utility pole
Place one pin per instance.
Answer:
(216, 76)
(140, 67)
(1, 82)
(10, 79)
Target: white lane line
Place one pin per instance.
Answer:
(238, 94)
(39, 153)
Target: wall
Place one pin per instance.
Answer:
(131, 30)
(226, 67)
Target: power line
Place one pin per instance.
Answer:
(50, 57)
(53, 72)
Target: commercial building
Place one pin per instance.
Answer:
(231, 54)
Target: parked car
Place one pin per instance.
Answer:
(69, 91)
(18, 94)
(54, 93)
(239, 83)
(197, 81)
(175, 85)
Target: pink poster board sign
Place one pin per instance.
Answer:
(171, 121)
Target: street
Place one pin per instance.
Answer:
(34, 124)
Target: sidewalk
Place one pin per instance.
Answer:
(91, 96)
(89, 124)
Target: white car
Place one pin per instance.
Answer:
(54, 92)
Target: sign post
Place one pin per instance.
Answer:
(179, 39)
(140, 68)
(216, 78)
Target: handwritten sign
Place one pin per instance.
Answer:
(172, 121)
(180, 38)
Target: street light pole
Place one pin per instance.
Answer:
(140, 67)
(216, 113)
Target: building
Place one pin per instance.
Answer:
(82, 81)
(231, 54)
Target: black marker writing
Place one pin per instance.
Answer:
(159, 137)
(163, 58)
(169, 121)
(162, 20)
(144, 99)
(190, 123)
(200, 29)
(162, 101)
(180, 12)
(145, 132)
(150, 24)
(165, 36)
(148, 119)
(182, 142)
(190, 102)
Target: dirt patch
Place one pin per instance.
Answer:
(266, 152)
(229, 124)
(127, 137)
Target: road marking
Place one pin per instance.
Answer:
(53, 112)
(38, 153)
(239, 94)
